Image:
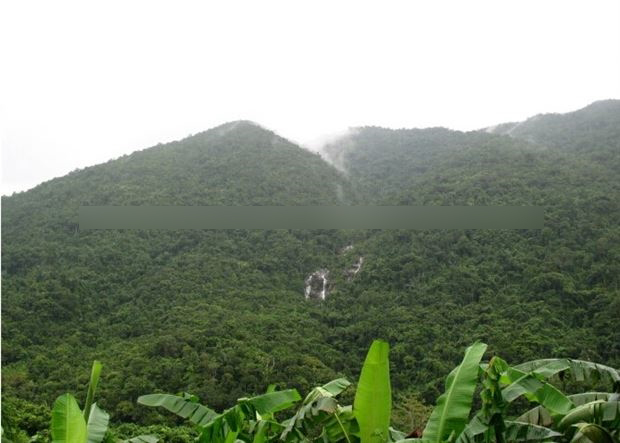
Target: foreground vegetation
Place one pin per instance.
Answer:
(515, 404)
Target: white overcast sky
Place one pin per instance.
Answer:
(83, 82)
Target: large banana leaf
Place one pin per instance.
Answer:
(225, 427)
(591, 433)
(599, 411)
(336, 386)
(186, 408)
(516, 431)
(68, 425)
(262, 430)
(536, 390)
(142, 439)
(474, 428)
(97, 425)
(373, 399)
(273, 402)
(587, 397)
(260, 435)
(541, 416)
(92, 387)
(263, 407)
(536, 416)
(317, 407)
(454, 405)
(340, 425)
(580, 370)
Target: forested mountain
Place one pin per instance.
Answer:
(222, 313)
(595, 125)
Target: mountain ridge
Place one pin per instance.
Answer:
(505, 128)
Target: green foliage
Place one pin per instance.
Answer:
(253, 416)
(97, 424)
(579, 370)
(142, 439)
(321, 414)
(71, 425)
(592, 433)
(186, 406)
(410, 413)
(221, 313)
(556, 415)
(599, 412)
(130, 432)
(92, 388)
(373, 398)
(454, 405)
(321, 418)
(68, 425)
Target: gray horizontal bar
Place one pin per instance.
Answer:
(311, 217)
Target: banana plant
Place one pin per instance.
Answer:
(593, 416)
(556, 416)
(366, 421)
(590, 417)
(72, 425)
(490, 423)
(321, 410)
(373, 399)
(251, 419)
(449, 417)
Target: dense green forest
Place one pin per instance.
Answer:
(222, 314)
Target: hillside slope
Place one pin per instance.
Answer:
(205, 311)
(553, 291)
(222, 313)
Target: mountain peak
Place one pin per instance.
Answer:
(237, 125)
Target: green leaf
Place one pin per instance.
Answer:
(68, 425)
(591, 433)
(474, 428)
(335, 387)
(225, 427)
(316, 408)
(273, 402)
(194, 412)
(540, 416)
(454, 405)
(516, 431)
(142, 439)
(536, 416)
(580, 370)
(587, 397)
(540, 391)
(97, 424)
(599, 411)
(396, 435)
(373, 400)
(260, 436)
(341, 425)
(92, 387)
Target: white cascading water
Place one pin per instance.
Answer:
(316, 284)
(357, 266)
